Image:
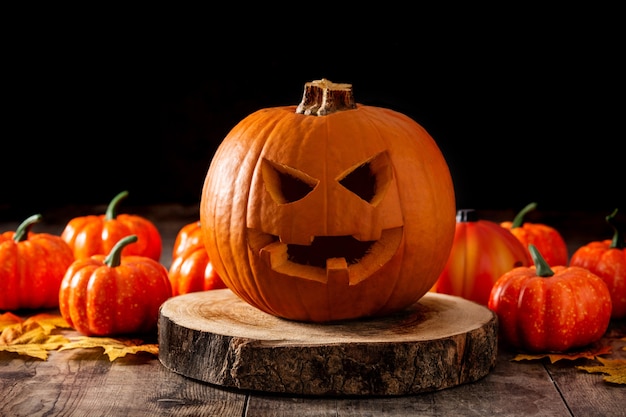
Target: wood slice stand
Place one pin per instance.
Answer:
(439, 342)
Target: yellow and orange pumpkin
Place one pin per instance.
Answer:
(328, 210)
(481, 252)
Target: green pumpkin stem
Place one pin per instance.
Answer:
(542, 267)
(618, 241)
(111, 212)
(518, 221)
(114, 257)
(323, 97)
(21, 233)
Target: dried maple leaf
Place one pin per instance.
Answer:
(592, 353)
(37, 349)
(33, 336)
(615, 370)
(49, 321)
(113, 348)
(8, 319)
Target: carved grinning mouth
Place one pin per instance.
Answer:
(327, 255)
(325, 247)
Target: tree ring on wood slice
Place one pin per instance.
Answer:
(439, 342)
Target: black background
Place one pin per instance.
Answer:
(526, 105)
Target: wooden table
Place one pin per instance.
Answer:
(84, 382)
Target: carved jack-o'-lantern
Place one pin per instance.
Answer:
(329, 210)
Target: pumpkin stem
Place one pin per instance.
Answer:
(111, 212)
(466, 215)
(21, 233)
(542, 267)
(114, 257)
(322, 97)
(518, 221)
(618, 241)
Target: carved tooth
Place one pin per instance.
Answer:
(274, 254)
(337, 271)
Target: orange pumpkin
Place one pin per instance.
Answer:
(607, 259)
(191, 270)
(31, 267)
(98, 234)
(545, 238)
(550, 309)
(328, 210)
(112, 294)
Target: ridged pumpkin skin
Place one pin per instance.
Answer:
(546, 238)
(609, 263)
(260, 231)
(31, 267)
(191, 269)
(607, 259)
(97, 234)
(543, 309)
(481, 252)
(114, 294)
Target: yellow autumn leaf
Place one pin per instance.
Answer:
(615, 370)
(37, 350)
(39, 334)
(591, 353)
(113, 348)
(49, 321)
(8, 319)
(30, 337)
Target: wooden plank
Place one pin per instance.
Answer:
(587, 394)
(510, 389)
(85, 383)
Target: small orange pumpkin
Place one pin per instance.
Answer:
(550, 309)
(31, 267)
(111, 294)
(191, 269)
(98, 234)
(546, 238)
(329, 210)
(607, 259)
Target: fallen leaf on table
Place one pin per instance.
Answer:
(39, 334)
(33, 336)
(49, 321)
(591, 353)
(615, 370)
(9, 319)
(36, 350)
(113, 348)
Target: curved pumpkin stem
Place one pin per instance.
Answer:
(111, 212)
(618, 241)
(114, 257)
(21, 233)
(323, 97)
(518, 221)
(543, 269)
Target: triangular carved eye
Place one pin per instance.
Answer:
(286, 184)
(370, 179)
